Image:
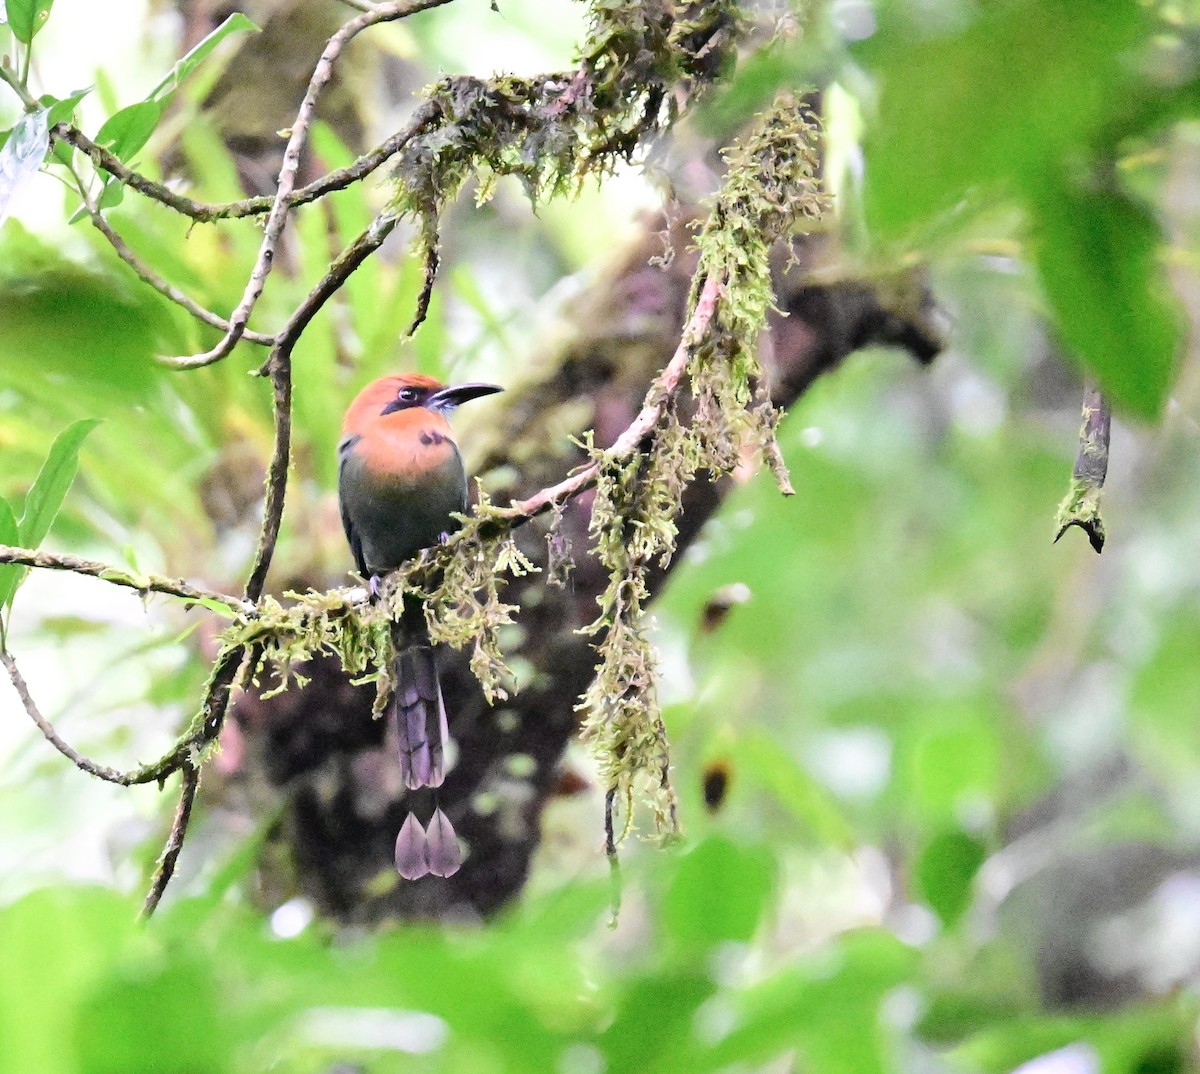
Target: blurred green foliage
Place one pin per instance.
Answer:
(933, 719)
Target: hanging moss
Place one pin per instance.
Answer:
(771, 186)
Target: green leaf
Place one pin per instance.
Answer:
(718, 893)
(10, 573)
(52, 482)
(235, 23)
(62, 108)
(27, 17)
(126, 131)
(1098, 256)
(217, 606)
(1023, 85)
(944, 871)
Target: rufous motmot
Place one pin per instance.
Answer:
(400, 479)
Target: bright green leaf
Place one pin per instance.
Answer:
(126, 131)
(63, 108)
(235, 23)
(52, 482)
(217, 606)
(827, 1004)
(10, 573)
(1097, 252)
(771, 765)
(27, 17)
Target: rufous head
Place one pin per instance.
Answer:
(406, 391)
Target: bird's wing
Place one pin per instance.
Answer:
(347, 523)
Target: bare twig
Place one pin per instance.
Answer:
(85, 764)
(143, 583)
(281, 382)
(287, 173)
(1081, 507)
(170, 855)
(661, 392)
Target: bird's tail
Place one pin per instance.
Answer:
(418, 717)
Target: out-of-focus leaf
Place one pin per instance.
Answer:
(654, 1023)
(235, 23)
(1097, 253)
(1163, 699)
(828, 1006)
(22, 156)
(718, 893)
(1142, 1038)
(950, 764)
(57, 944)
(27, 17)
(126, 131)
(768, 763)
(944, 871)
(52, 482)
(1014, 91)
(160, 1017)
(74, 332)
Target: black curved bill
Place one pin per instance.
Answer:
(457, 394)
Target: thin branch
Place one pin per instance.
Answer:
(205, 213)
(85, 764)
(337, 274)
(17, 85)
(149, 276)
(170, 855)
(660, 394)
(287, 173)
(143, 583)
(280, 370)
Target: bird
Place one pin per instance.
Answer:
(401, 479)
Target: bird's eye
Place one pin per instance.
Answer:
(407, 395)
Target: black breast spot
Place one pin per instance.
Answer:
(429, 438)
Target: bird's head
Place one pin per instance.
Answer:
(407, 391)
